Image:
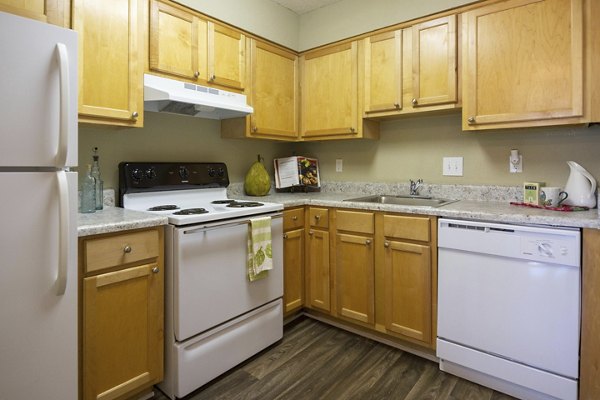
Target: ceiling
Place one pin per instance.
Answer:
(304, 6)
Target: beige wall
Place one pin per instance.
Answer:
(353, 17)
(264, 18)
(413, 148)
(167, 137)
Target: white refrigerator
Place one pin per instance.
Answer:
(38, 211)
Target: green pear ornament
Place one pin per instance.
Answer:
(257, 182)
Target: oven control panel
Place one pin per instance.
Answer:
(158, 176)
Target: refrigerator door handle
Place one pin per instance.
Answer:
(63, 234)
(63, 134)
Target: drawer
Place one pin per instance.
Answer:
(112, 251)
(318, 217)
(355, 221)
(412, 228)
(293, 219)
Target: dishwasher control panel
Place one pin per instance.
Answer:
(533, 243)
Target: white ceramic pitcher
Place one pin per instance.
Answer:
(581, 187)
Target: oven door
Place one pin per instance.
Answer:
(210, 279)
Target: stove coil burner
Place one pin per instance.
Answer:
(223, 201)
(166, 207)
(242, 204)
(191, 211)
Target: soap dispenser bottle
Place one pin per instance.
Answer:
(88, 192)
(99, 183)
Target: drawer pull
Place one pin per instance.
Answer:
(368, 242)
(295, 218)
(317, 217)
(155, 270)
(127, 249)
(386, 244)
(311, 233)
(285, 236)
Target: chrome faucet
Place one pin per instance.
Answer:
(415, 186)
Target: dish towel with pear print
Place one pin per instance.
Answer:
(260, 256)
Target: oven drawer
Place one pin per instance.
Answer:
(293, 219)
(120, 249)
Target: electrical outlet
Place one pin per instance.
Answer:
(339, 165)
(452, 166)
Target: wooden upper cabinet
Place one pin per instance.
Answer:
(272, 91)
(411, 70)
(383, 72)
(187, 46)
(523, 64)
(434, 62)
(178, 42)
(226, 56)
(330, 101)
(56, 12)
(110, 70)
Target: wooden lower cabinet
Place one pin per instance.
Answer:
(122, 325)
(589, 370)
(354, 266)
(318, 270)
(378, 271)
(293, 260)
(407, 288)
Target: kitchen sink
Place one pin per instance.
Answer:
(403, 200)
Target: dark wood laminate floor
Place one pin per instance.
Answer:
(318, 361)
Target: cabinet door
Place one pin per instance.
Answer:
(110, 71)
(434, 62)
(318, 270)
(274, 93)
(122, 331)
(523, 64)
(178, 41)
(293, 270)
(56, 12)
(355, 277)
(329, 91)
(226, 56)
(383, 72)
(407, 289)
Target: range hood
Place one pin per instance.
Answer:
(171, 96)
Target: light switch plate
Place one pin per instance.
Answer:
(452, 166)
(339, 165)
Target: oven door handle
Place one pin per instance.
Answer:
(207, 228)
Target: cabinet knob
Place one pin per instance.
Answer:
(471, 120)
(134, 115)
(155, 270)
(295, 218)
(213, 77)
(196, 74)
(285, 235)
(352, 130)
(386, 244)
(415, 102)
(368, 242)
(311, 232)
(317, 217)
(397, 106)
(254, 129)
(127, 249)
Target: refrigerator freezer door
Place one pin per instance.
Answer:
(38, 332)
(38, 87)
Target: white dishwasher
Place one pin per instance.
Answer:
(509, 306)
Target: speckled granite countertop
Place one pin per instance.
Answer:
(114, 219)
(487, 203)
(496, 211)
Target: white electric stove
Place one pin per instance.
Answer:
(215, 317)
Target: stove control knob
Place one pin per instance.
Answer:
(211, 172)
(151, 173)
(184, 173)
(137, 174)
